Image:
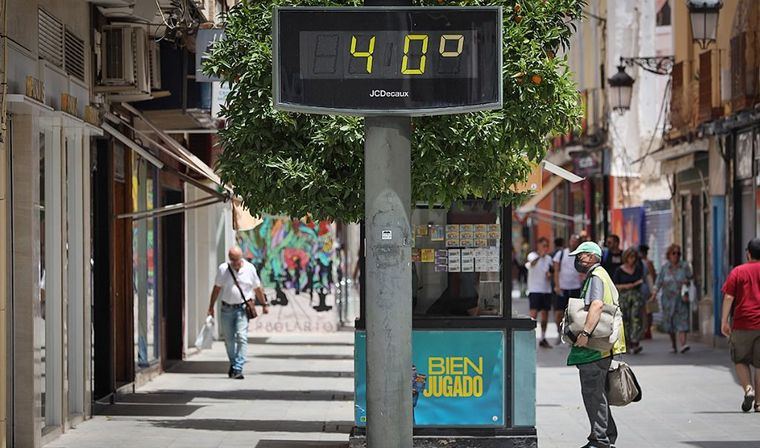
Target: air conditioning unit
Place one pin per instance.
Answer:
(129, 60)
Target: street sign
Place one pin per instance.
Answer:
(387, 61)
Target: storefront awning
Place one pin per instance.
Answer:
(532, 203)
(213, 198)
(190, 159)
(683, 149)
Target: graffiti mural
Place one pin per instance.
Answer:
(630, 225)
(295, 260)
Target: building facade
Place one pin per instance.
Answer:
(107, 142)
(611, 149)
(711, 152)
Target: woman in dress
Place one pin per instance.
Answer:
(628, 279)
(673, 276)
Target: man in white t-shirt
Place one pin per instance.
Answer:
(567, 281)
(539, 267)
(234, 320)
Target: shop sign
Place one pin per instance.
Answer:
(457, 378)
(91, 115)
(533, 183)
(35, 89)
(586, 164)
(69, 104)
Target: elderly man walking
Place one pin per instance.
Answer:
(236, 281)
(597, 290)
(741, 322)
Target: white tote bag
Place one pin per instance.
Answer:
(206, 336)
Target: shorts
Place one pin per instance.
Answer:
(560, 302)
(745, 347)
(540, 301)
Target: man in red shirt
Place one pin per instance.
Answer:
(742, 296)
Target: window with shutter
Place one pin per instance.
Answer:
(739, 71)
(678, 109)
(706, 83)
(50, 41)
(74, 55)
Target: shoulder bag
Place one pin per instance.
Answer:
(250, 309)
(622, 386)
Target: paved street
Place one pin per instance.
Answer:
(689, 400)
(298, 393)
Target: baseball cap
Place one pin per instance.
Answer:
(589, 247)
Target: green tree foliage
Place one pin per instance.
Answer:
(297, 164)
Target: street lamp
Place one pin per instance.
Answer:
(621, 83)
(621, 90)
(703, 15)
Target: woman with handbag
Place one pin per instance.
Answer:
(628, 279)
(673, 276)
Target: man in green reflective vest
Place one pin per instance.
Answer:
(598, 289)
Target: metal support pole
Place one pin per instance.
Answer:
(388, 275)
(387, 171)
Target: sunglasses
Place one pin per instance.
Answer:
(675, 253)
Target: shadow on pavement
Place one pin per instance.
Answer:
(314, 374)
(200, 367)
(656, 352)
(299, 444)
(123, 409)
(253, 394)
(267, 341)
(229, 425)
(315, 357)
(726, 444)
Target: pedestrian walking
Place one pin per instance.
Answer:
(628, 279)
(236, 281)
(650, 276)
(673, 276)
(539, 267)
(741, 322)
(612, 257)
(593, 366)
(567, 281)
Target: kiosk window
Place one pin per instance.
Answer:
(457, 269)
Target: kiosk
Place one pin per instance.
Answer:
(473, 378)
(471, 364)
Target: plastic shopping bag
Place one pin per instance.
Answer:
(206, 335)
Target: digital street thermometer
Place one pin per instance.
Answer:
(387, 61)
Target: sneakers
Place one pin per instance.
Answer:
(237, 375)
(685, 348)
(749, 398)
(230, 372)
(545, 344)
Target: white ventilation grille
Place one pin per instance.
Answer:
(74, 55)
(50, 42)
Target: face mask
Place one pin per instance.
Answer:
(579, 266)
